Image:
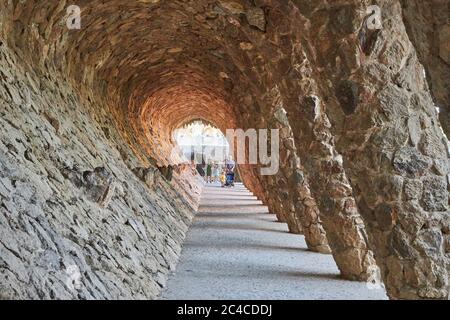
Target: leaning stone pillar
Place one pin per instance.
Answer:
(330, 187)
(428, 29)
(326, 183)
(290, 74)
(309, 215)
(304, 213)
(393, 148)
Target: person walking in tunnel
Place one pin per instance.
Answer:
(200, 170)
(209, 172)
(230, 166)
(223, 178)
(215, 172)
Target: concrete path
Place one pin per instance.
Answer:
(236, 250)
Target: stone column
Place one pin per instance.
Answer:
(309, 215)
(304, 213)
(393, 148)
(292, 75)
(429, 30)
(330, 187)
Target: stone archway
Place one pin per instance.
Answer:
(88, 115)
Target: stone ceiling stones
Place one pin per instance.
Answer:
(352, 98)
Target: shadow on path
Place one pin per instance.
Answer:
(240, 252)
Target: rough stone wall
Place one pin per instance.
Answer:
(69, 201)
(428, 27)
(334, 195)
(283, 48)
(288, 192)
(387, 129)
(361, 120)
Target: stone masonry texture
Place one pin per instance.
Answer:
(91, 190)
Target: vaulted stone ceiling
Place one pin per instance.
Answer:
(364, 164)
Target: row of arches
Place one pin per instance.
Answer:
(364, 162)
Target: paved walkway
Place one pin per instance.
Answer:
(236, 250)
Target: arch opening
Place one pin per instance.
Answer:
(202, 143)
(92, 112)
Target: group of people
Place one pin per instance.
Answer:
(214, 172)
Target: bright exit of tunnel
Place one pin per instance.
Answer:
(89, 116)
(170, 107)
(201, 143)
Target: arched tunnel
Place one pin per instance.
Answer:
(88, 178)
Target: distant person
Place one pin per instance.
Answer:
(216, 173)
(230, 166)
(209, 173)
(223, 178)
(200, 170)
